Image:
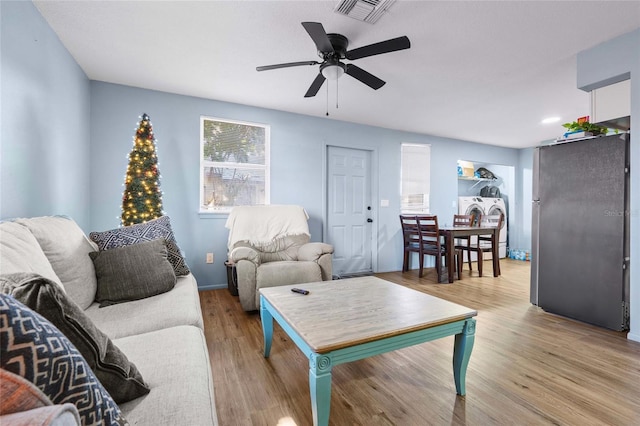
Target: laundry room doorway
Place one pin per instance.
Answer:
(486, 188)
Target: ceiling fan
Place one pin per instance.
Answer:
(332, 48)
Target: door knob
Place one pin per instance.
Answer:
(369, 220)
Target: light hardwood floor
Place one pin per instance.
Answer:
(528, 367)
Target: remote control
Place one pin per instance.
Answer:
(299, 290)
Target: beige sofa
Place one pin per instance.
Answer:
(162, 335)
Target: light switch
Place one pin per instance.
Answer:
(384, 203)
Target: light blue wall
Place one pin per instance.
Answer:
(605, 64)
(65, 142)
(44, 130)
(298, 144)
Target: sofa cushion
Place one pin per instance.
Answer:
(35, 349)
(20, 252)
(116, 373)
(176, 364)
(153, 229)
(133, 272)
(67, 248)
(180, 306)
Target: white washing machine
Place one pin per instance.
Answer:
(480, 205)
(498, 206)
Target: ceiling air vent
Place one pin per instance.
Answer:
(363, 10)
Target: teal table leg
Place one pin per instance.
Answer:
(320, 387)
(267, 326)
(461, 354)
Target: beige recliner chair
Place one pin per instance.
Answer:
(269, 246)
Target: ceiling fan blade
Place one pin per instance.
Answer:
(315, 86)
(319, 36)
(392, 45)
(366, 78)
(290, 64)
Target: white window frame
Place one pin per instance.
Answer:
(206, 163)
(410, 171)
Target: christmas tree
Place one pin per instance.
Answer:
(142, 198)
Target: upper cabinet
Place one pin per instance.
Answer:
(611, 105)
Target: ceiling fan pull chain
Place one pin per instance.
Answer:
(336, 94)
(327, 98)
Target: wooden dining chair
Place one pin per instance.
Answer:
(411, 239)
(485, 242)
(463, 244)
(431, 242)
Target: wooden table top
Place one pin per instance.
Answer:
(342, 313)
(468, 230)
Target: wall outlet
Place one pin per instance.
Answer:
(209, 257)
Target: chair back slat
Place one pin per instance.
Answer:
(462, 220)
(410, 232)
(491, 220)
(429, 232)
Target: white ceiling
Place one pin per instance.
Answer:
(483, 71)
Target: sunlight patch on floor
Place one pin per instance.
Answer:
(286, 421)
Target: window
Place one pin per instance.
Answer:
(234, 164)
(416, 178)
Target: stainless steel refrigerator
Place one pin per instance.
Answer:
(580, 230)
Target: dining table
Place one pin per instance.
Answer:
(450, 233)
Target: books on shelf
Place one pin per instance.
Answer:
(575, 135)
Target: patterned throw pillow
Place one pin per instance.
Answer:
(33, 348)
(116, 373)
(154, 229)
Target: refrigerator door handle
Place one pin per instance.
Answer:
(535, 222)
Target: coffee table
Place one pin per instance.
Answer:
(348, 320)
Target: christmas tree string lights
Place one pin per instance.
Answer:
(142, 198)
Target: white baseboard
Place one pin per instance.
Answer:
(633, 336)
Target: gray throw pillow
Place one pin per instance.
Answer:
(134, 234)
(118, 375)
(132, 272)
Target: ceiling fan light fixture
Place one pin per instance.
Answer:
(333, 71)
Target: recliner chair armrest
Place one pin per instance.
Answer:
(245, 253)
(313, 251)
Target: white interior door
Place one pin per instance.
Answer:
(349, 209)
